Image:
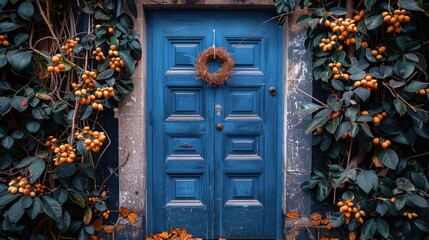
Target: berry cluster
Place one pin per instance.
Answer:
(409, 215)
(338, 70)
(69, 46)
(395, 20)
(377, 53)
(348, 207)
(64, 152)
(56, 66)
(95, 140)
(3, 41)
(21, 185)
(98, 54)
(367, 82)
(115, 62)
(422, 92)
(343, 30)
(384, 143)
(99, 204)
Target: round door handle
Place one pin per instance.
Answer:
(272, 91)
(219, 126)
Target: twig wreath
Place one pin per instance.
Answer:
(224, 72)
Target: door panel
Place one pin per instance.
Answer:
(217, 183)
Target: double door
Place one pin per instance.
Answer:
(213, 150)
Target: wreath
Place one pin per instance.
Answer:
(224, 72)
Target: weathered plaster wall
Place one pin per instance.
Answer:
(297, 145)
(131, 116)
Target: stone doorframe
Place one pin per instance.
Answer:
(131, 114)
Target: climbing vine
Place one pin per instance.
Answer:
(62, 63)
(370, 56)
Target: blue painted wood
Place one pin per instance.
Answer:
(216, 183)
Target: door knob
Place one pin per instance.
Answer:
(272, 91)
(219, 126)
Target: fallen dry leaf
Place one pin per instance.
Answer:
(132, 217)
(124, 211)
(92, 237)
(163, 235)
(108, 229)
(97, 225)
(352, 236)
(292, 214)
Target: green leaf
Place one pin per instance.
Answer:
(4, 105)
(7, 142)
(413, 5)
(411, 56)
(368, 229)
(21, 38)
(82, 149)
(318, 120)
(405, 184)
(418, 201)
(64, 222)
(132, 7)
(87, 168)
(400, 106)
(7, 198)
(366, 180)
(303, 19)
(374, 21)
(85, 112)
(369, 3)
(8, 26)
(326, 143)
(26, 161)
(16, 211)
(19, 60)
(17, 134)
(420, 181)
(365, 118)
(323, 189)
(79, 182)
(26, 10)
(338, 85)
(65, 170)
(420, 224)
(399, 203)
(382, 227)
(5, 161)
(106, 74)
(101, 207)
(129, 61)
(415, 86)
(404, 68)
(342, 129)
(33, 126)
(36, 169)
(77, 198)
(337, 219)
(52, 208)
(35, 208)
(61, 196)
(389, 158)
(308, 108)
(338, 11)
(385, 70)
(362, 93)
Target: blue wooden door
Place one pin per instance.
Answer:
(217, 183)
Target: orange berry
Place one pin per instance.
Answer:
(55, 59)
(422, 92)
(61, 66)
(57, 69)
(50, 68)
(384, 145)
(374, 53)
(376, 141)
(376, 120)
(390, 29)
(319, 129)
(389, 143)
(392, 200)
(382, 49)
